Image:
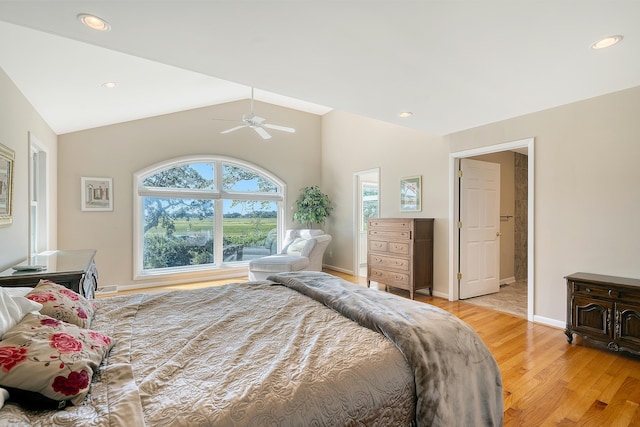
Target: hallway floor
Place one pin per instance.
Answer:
(511, 299)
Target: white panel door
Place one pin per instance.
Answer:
(479, 229)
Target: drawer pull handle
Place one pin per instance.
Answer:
(613, 293)
(587, 290)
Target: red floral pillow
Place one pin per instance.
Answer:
(51, 357)
(62, 303)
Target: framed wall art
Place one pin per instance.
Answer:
(97, 194)
(411, 194)
(7, 161)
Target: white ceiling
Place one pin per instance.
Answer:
(454, 64)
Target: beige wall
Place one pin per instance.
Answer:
(586, 200)
(352, 143)
(586, 189)
(118, 151)
(18, 119)
(506, 160)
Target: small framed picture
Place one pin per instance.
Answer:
(97, 194)
(411, 194)
(7, 159)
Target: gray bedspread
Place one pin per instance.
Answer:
(457, 380)
(263, 354)
(249, 354)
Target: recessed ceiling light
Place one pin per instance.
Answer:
(109, 85)
(405, 114)
(606, 42)
(94, 22)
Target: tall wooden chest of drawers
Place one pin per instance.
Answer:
(400, 253)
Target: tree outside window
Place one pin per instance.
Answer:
(205, 212)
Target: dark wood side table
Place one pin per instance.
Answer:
(604, 309)
(74, 269)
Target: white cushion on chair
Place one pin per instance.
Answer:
(302, 250)
(300, 247)
(279, 263)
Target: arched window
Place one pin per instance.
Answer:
(204, 212)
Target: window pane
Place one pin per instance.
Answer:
(369, 204)
(177, 232)
(34, 228)
(176, 228)
(240, 179)
(196, 176)
(249, 229)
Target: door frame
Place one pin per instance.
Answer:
(357, 204)
(39, 182)
(454, 191)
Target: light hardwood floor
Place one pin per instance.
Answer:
(546, 381)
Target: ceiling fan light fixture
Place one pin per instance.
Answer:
(94, 22)
(606, 42)
(257, 124)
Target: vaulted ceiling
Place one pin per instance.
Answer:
(453, 64)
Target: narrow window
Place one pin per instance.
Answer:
(38, 233)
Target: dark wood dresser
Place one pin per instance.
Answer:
(74, 269)
(400, 253)
(604, 309)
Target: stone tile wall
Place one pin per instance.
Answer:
(520, 215)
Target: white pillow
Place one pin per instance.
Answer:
(300, 247)
(13, 309)
(18, 291)
(4, 395)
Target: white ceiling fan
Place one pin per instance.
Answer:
(257, 124)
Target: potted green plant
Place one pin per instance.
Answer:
(312, 206)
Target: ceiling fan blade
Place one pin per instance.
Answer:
(234, 128)
(277, 127)
(263, 133)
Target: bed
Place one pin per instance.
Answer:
(300, 349)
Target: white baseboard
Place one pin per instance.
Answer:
(159, 281)
(109, 289)
(549, 322)
(444, 295)
(507, 281)
(341, 270)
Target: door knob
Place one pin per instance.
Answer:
(498, 234)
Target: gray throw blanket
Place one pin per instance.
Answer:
(458, 382)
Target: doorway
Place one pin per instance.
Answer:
(366, 205)
(525, 147)
(38, 198)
